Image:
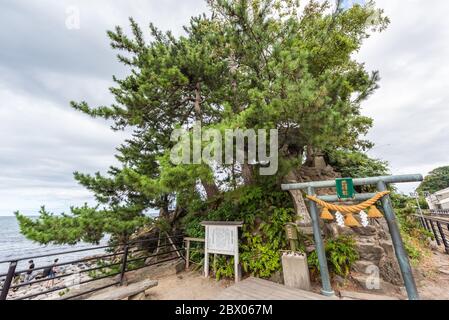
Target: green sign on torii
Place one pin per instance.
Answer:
(345, 188)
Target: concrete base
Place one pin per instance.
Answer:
(296, 271)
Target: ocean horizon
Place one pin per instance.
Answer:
(14, 245)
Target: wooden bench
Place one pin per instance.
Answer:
(135, 291)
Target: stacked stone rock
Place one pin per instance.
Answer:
(374, 246)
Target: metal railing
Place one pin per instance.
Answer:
(119, 262)
(439, 228)
(439, 212)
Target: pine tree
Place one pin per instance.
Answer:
(436, 180)
(258, 64)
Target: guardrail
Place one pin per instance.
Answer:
(439, 227)
(439, 212)
(122, 260)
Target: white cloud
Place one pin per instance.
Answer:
(41, 145)
(409, 109)
(45, 65)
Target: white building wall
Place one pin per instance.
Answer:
(439, 200)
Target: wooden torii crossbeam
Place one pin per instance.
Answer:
(381, 184)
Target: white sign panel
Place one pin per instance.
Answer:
(221, 239)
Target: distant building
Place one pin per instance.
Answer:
(439, 200)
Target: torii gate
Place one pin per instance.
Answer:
(381, 184)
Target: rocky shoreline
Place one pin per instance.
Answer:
(75, 274)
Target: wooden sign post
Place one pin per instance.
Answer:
(222, 238)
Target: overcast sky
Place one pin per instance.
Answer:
(45, 62)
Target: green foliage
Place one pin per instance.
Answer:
(224, 267)
(436, 180)
(265, 213)
(341, 253)
(84, 224)
(414, 236)
(260, 258)
(356, 164)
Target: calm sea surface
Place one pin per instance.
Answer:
(14, 245)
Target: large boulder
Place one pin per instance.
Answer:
(370, 251)
(374, 246)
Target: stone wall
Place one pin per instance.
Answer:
(374, 246)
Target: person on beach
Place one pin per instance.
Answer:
(50, 273)
(29, 275)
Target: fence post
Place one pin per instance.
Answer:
(124, 262)
(443, 237)
(187, 254)
(174, 246)
(427, 224)
(8, 280)
(399, 249)
(434, 232)
(423, 223)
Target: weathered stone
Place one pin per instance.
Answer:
(361, 266)
(346, 231)
(370, 252)
(319, 162)
(331, 230)
(384, 231)
(296, 271)
(388, 247)
(389, 270)
(365, 231)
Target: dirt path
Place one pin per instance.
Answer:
(186, 286)
(434, 284)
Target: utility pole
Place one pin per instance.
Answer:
(416, 196)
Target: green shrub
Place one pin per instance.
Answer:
(225, 267)
(341, 253)
(264, 212)
(414, 236)
(260, 258)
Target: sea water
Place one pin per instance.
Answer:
(14, 245)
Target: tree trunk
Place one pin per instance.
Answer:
(211, 189)
(303, 216)
(163, 212)
(198, 112)
(247, 173)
